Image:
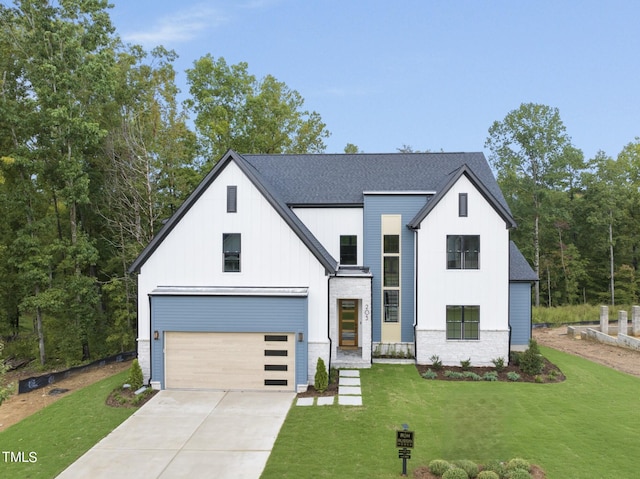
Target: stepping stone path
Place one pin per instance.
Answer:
(349, 392)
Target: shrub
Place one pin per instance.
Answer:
(453, 374)
(518, 474)
(436, 363)
(518, 463)
(486, 474)
(490, 376)
(470, 467)
(538, 378)
(439, 467)
(429, 374)
(135, 375)
(514, 357)
(321, 378)
(531, 360)
(497, 467)
(498, 363)
(455, 473)
(553, 374)
(472, 375)
(513, 376)
(465, 364)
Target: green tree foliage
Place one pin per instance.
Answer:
(235, 110)
(135, 378)
(533, 157)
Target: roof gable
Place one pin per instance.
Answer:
(451, 180)
(271, 195)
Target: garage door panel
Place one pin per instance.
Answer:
(230, 361)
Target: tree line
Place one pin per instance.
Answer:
(96, 151)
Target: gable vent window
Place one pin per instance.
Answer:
(231, 252)
(232, 199)
(462, 204)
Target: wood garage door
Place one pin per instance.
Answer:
(239, 361)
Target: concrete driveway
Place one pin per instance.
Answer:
(190, 434)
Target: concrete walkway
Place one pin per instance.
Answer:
(190, 434)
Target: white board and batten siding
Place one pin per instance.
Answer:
(272, 255)
(486, 287)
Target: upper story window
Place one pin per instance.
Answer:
(348, 249)
(463, 201)
(463, 251)
(232, 199)
(231, 252)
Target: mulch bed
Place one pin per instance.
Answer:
(311, 392)
(543, 377)
(120, 397)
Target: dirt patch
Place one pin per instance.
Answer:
(621, 359)
(128, 398)
(19, 406)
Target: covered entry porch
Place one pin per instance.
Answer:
(350, 318)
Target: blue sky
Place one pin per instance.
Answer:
(430, 74)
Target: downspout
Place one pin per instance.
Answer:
(329, 319)
(415, 293)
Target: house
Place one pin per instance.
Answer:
(275, 261)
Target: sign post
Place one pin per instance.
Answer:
(404, 441)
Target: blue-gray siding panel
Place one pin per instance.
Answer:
(236, 314)
(520, 313)
(374, 207)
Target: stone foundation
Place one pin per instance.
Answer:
(492, 345)
(144, 358)
(316, 350)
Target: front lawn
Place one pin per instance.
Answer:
(586, 426)
(59, 434)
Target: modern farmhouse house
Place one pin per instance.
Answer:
(277, 260)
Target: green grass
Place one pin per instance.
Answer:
(583, 427)
(557, 316)
(60, 433)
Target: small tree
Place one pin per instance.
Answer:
(135, 375)
(322, 378)
(531, 360)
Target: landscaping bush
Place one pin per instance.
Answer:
(135, 375)
(530, 361)
(439, 467)
(472, 375)
(497, 467)
(465, 364)
(429, 374)
(487, 475)
(518, 474)
(453, 374)
(321, 382)
(490, 376)
(518, 463)
(436, 363)
(498, 364)
(455, 473)
(513, 376)
(470, 467)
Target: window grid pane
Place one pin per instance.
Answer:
(391, 300)
(391, 244)
(391, 271)
(349, 249)
(231, 252)
(463, 252)
(463, 322)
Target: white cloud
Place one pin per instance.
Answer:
(178, 27)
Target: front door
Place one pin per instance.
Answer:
(348, 317)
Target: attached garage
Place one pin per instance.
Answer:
(229, 338)
(229, 361)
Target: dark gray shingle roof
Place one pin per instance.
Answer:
(342, 178)
(519, 268)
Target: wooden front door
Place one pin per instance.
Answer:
(348, 318)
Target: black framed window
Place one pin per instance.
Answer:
(391, 277)
(391, 244)
(232, 199)
(391, 304)
(348, 249)
(463, 252)
(231, 252)
(463, 322)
